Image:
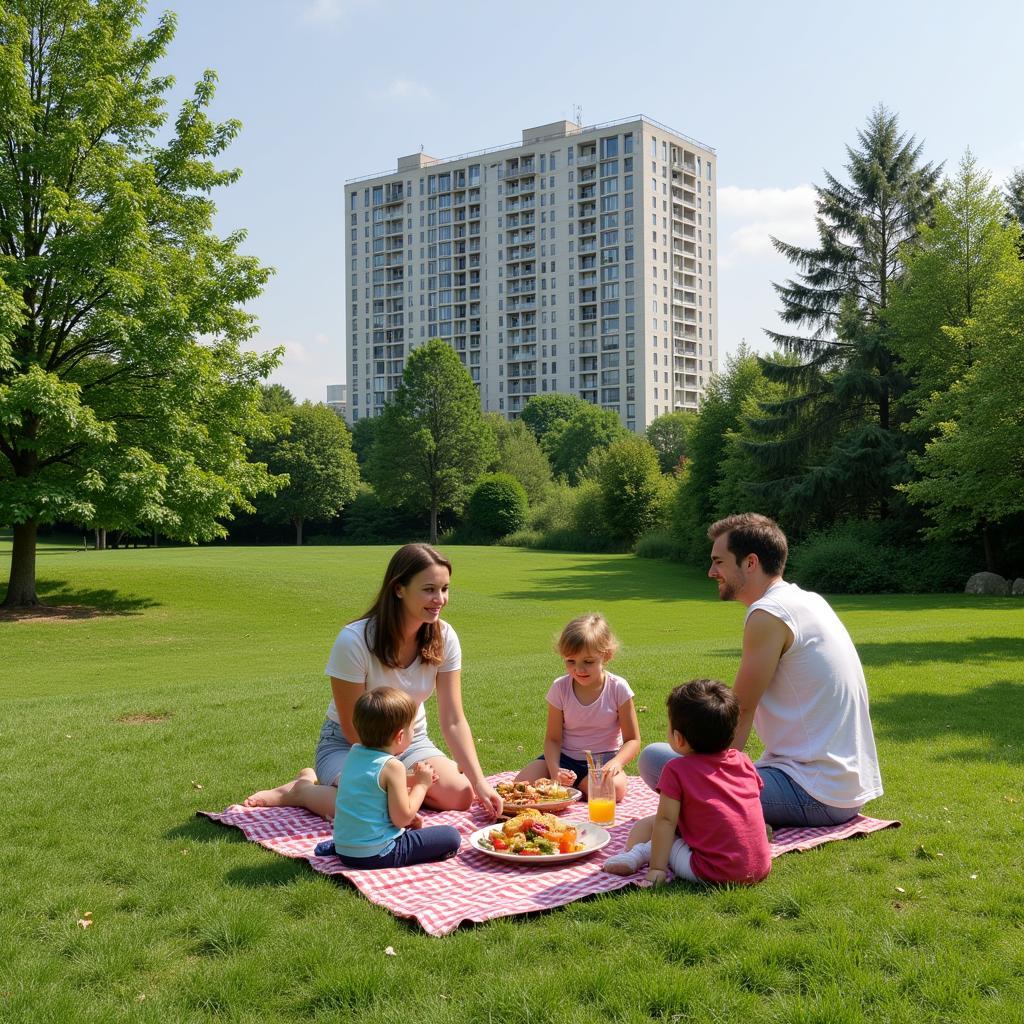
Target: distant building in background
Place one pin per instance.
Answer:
(581, 261)
(337, 399)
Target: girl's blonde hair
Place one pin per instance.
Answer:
(589, 632)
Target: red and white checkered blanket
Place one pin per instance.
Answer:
(473, 887)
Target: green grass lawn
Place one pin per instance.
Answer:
(207, 671)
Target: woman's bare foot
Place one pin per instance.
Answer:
(281, 796)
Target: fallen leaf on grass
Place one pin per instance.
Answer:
(899, 888)
(390, 951)
(140, 997)
(85, 921)
(196, 785)
(972, 877)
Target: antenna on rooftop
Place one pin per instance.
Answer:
(577, 113)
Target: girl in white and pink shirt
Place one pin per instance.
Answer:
(589, 708)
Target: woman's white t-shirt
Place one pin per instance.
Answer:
(352, 660)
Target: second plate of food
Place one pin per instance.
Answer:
(541, 795)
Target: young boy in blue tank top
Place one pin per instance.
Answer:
(376, 804)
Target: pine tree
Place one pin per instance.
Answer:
(832, 446)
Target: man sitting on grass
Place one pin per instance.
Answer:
(800, 684)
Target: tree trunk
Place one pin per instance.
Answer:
(990, 548)
(433, 522)
(298, 531)
(21, 586)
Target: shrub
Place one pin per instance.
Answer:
(875, 558)
(842, 561)
(659, 544)
(497, 507)
(369, 521)
(631, 488)
(570, 519)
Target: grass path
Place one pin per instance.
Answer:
(208, 671)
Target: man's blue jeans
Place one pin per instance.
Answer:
(785, 804)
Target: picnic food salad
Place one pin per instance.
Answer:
(532, 834)
(539, 791)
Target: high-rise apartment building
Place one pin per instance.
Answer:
(581, 261)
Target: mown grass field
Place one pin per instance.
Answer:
(206, 670)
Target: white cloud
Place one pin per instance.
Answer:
(406, 89)
(749, 217)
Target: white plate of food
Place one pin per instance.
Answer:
(539, 795)
(533, 837)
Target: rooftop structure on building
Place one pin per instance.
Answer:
(337, 398)
(580, 261)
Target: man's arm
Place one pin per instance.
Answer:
(765, 640)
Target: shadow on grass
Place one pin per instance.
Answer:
(276, 871)
(62, 600)
(202, 830)
(614, 577)
(964, 651)
(989, 715)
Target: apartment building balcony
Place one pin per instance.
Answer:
(589, 396)
(586, 157)
(586, 192)
(587, 279)
(587, 228)
(588, 295)
(521, 254)
(586, 174)
(586, 209)
(588, 313)
(587, 247)
(394, 193)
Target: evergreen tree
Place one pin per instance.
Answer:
(832, 445)
(1014, 198)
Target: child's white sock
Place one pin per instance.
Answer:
(629, 862)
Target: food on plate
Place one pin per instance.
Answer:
(533, 834)
(540, 791)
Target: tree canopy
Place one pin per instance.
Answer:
(317, 458)
(123, 387)
(433, 441)
(667, 435)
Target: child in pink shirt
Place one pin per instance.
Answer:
(709, 826)
(589, 708)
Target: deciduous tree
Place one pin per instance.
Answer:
(316, 455)
(122, 381)
(433, 441)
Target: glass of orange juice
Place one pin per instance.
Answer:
(601, 797)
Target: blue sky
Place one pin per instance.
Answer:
(334, 89)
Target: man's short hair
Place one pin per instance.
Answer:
(750, 533)
(380, 713)
(705, 711)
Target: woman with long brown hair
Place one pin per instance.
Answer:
(401, 642)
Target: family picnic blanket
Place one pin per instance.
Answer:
(473, 887)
